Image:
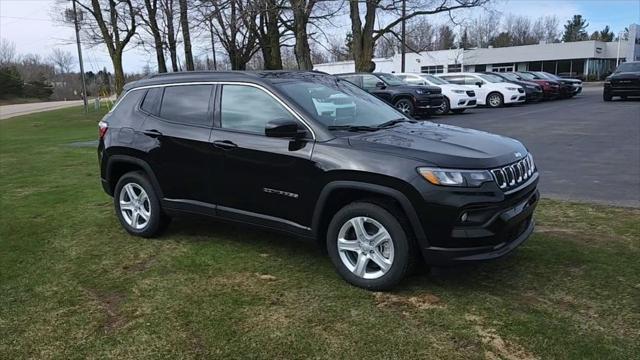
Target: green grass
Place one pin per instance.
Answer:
(73, 284)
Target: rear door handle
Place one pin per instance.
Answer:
(225, 144)
(152, 133)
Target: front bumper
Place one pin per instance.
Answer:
(622, 91)
(514, 97)
(533, 95)
(425, 104)
(462, 101)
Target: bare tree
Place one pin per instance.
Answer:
(168, 9)
(365, 34)
(7, 52)
(483, 28)
(149, 17)
(113, 24)
(268, 32)
(186, 36)
(63, 60)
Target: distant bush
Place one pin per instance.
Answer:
(11, 84)
(38, 89)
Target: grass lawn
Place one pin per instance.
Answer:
(73, 284)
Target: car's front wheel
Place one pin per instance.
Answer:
(137, 205)
(444, 108)
(495, 100)
(369, 247)
(606, 97)
(405, 106)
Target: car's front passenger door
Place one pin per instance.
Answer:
(264, 179)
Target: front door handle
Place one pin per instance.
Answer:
(225, 144)
(152, 133)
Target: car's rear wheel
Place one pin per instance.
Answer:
(495, 100)
(369, 247)
(444, 108)
(405, 106)
(137, 205)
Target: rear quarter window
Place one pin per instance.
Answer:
(151, 102)
(124, 114)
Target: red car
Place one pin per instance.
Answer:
(550, 88)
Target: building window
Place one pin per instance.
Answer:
(502, 68)
(454, 68)
(435, 69)
(480, 68)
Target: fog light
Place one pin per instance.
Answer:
(464, 217)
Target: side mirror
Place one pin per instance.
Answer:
(380, 85)
(479, 83)
(283, 128)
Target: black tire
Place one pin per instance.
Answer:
(606, 97)
(498, 102)
(405, 106)
(157, 221)
(404, 258)
(444, 108)
(458, 111)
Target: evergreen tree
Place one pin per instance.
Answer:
(575, 29)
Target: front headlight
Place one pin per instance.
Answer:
(453, 177)
(422, 92)
(458, 91)
(512, 89)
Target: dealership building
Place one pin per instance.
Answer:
(590, 59)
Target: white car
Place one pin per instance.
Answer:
(491, 90)
(457, 98)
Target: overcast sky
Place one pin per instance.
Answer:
(29, 24)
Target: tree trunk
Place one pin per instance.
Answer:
(184, 21)
(157, 37)
(302, 50)
(363, 42)
(118, 71)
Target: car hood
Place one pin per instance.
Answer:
(624, 76)
(571, 81)
(442, 145)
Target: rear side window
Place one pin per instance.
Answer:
(188, 104)
(454, 79)
(125, 108)
(151, 102)
(246, 108)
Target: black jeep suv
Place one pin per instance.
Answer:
(413, 100)
(315, 156)
(625, 81)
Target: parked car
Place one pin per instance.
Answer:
(568, 87)
(625, 81)
(490, 90)
(457, 98)
(533, 91)
(373, 187)
(411, 100)
(550, 88)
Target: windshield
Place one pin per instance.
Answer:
(334, 102)
(527, 76)
(491, 78)
(391, 79)
(434, 80)
(510, 76)
(629, 67)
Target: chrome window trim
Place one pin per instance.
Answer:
(289, 109)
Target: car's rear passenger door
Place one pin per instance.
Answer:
(264, 178)
(176, 133)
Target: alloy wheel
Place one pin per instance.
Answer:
(494, 100)
(365, 247)
(404, 107)
(135, 206)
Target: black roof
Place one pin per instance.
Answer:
(199, 76)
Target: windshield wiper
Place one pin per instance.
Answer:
(353, 127)
(393, 122)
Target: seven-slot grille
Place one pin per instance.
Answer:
(515, 174)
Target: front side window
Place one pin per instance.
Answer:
(491, 78)
(336, 102)
(187, 104)
(391, 79)
(246, 108)
(433, 80)
(369, 82)
(629, 67)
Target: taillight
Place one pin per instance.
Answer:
(103, 126)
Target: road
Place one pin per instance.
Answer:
(9, 111)
(586, 149)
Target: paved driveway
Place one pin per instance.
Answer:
(9, 111)
(585, 149)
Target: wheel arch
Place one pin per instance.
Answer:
(119, 165)
(337, 194)
(486, 99)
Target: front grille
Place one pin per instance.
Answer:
(471, 93)
(513, 175)
(520, 90)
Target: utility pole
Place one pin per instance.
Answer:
(618, 55)
(74, 16)
(402, 46)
